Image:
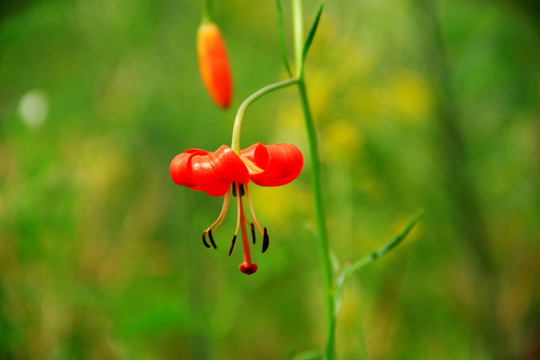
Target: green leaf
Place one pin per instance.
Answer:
(312, 31)
(386, 248)
(350, 270)
(282, 38)
(310, 355)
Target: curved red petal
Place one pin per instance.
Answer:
(229, 165)
(214, 172)
(281, 163)
(180, 167)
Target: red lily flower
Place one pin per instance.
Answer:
(224, 172)
(214, 64)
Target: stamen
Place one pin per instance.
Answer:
(253, 212)
(252, 232)
(238, 215)
(232, 245)
(211, 239)
(266, 241)
(204, 239)
(215, 225)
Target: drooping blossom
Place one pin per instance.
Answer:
(225, 173)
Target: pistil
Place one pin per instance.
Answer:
(247, 267)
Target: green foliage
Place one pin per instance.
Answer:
(417, 104)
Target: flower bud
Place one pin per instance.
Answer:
(214, 64)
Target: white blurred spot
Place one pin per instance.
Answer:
(33, 108)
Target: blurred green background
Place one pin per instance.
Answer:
(432, 104)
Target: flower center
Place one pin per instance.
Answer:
(239, 191)
(251, 166)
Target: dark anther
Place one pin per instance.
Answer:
(266, 240)
(240, 187)
(204, 239)
(211, 239)
(232, 245)
(252, 232)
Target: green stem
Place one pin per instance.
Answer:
(321, 224)
(237, 128)
(206, 12)
(330, 306)
(298, 35)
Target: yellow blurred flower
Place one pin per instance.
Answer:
(410, 95)
(281, 204)
(341, 140)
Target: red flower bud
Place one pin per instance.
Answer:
(214, 64)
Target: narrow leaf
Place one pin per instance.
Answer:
(312, 31)
(386, 248)
(310, 355)
(282, 38)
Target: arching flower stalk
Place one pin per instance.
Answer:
(225, 173)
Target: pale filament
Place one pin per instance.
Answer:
(222, 214)
(238, 212)
(251, 210)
